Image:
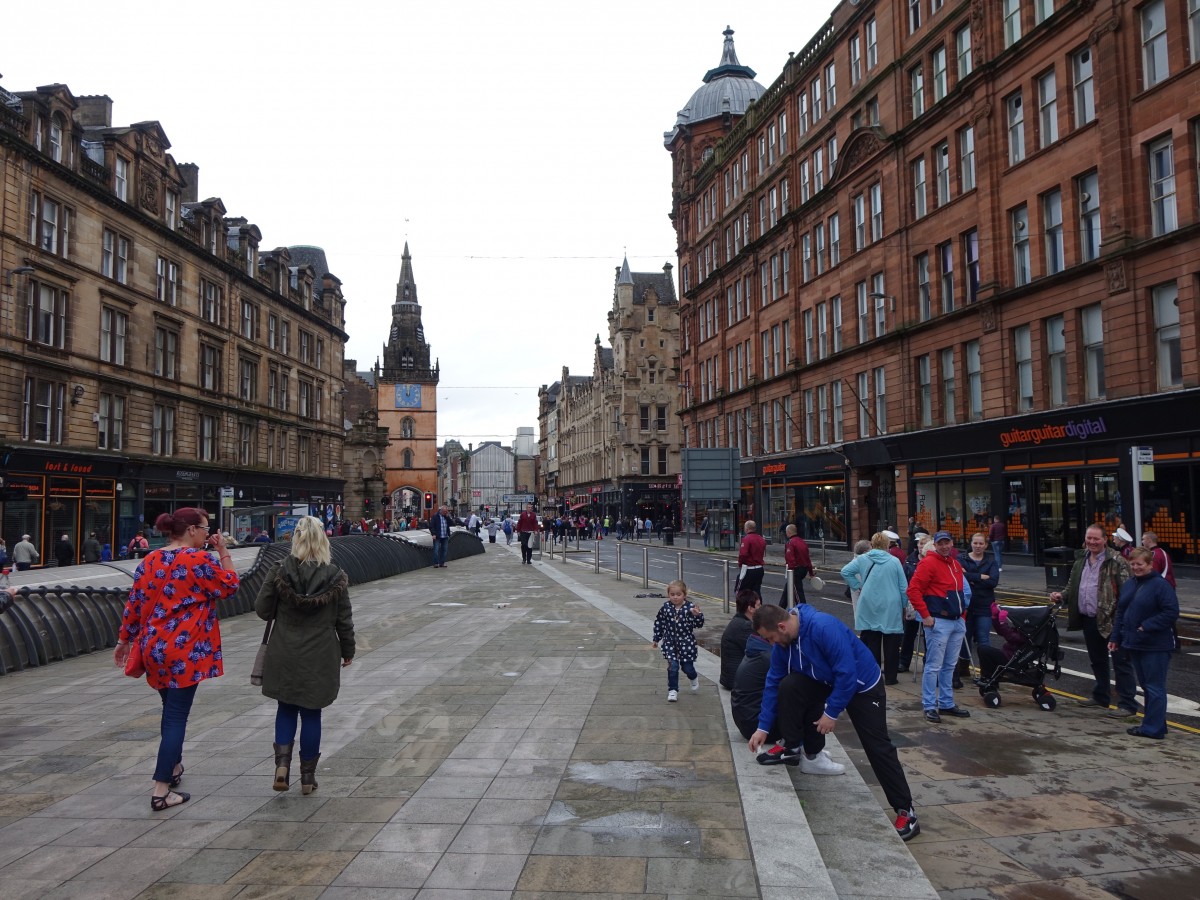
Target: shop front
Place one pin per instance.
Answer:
(658, 501)
(1049, 477)
(49, 495)
(810, 491)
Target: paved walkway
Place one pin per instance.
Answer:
(527, 751)
(503, 732)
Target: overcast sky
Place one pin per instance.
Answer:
(517, 147)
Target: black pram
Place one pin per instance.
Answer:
(1032, 634)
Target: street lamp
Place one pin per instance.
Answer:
(875, 295)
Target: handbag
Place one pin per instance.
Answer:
(814, 582)
(135, 666)
(260, 658)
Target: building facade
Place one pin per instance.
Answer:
(152, 354)
(407, 396)
(946, 266)
(610, 441)
(492, 469)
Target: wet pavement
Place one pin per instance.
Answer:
(482, 750)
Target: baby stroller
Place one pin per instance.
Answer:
(1031, 634)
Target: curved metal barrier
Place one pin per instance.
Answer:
(45, 624)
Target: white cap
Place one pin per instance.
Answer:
(891, 535)
(1123, 535)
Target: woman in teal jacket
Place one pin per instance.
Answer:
(879, 614)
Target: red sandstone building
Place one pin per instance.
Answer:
(946, 266)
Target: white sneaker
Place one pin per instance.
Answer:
(672, 696)
(822, 764)
(695, 685)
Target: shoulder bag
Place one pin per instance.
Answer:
(260, 658)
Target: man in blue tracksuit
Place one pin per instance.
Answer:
(819, 668)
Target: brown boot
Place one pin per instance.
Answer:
(283, 766)
(308, 774)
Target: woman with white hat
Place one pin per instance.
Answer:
(1122, 541)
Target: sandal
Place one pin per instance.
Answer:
(176, 778)
(158, 804)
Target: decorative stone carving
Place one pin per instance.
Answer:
(978, 49)
(987, 317)
(148, 192)
(863, 147)
(982, 110)
(1115, 273)
(1109, 26)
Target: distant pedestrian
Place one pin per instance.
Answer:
(1161, 563)
(439, 529)
(799, 564)
(1122, 542)
(998, 537)
(750, 558)
(492, 527)
(138, 545)
(91, 549)
(64, 551)
(704, 530)
(25, 554)
(527, 527)
(674, 628)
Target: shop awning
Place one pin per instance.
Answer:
(578, 506)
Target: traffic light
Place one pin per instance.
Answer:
(367, 505)
(428, 500)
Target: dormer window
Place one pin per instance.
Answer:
(251, 260)
(172, 210)
(56, 137)
(650, 314)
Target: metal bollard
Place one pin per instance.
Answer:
(725, 579)
(679, 565)
(543, 544)
(789, 591)
(645, 568)
(619, 543)
(597, 569)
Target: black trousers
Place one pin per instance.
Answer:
(908, 644)
(752, 581)
(802, 702)
(886, 650)
(526, 550)
(798, 597)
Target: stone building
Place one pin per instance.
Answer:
(610, 441)
(407, 397)
(945, 266)
(152, 352)
(492, 471)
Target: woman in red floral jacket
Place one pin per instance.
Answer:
(172, 614)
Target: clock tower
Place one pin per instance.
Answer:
(407, 390)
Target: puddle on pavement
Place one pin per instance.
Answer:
(446, 604)
(619, 774)
(550, 622)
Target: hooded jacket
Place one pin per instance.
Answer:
(825, 650)
(313, 633)
(879, 578)
(748, 682)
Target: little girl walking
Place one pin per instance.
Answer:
(673, 628)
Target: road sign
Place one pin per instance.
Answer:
(227, 492)
(1145, 456)
(518, 498)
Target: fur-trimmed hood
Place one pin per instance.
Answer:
(309, 584)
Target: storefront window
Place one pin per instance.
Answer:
(1106, 501)
(925, 506)
(774, 509)
(1017, 521)
(1169, 503)
(821, 512)
(979, 507)
(951, 510)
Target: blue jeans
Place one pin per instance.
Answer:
(310, 731)
(439, 550)
(1151, 667)
(176, 703)
(943, 640)
(979, 633)
(673, 667)
(997, 546)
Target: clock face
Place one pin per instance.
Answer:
(408, 396)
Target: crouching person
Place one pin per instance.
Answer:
(819, 669)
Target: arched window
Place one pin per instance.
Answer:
(407, 427)
(406, 357)
(408, 456)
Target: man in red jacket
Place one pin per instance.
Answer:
(750, 558)
(527, 526)
(940, 594)
(799, 563)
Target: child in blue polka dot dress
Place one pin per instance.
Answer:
(674, 628)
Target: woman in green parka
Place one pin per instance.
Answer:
(312, 640)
